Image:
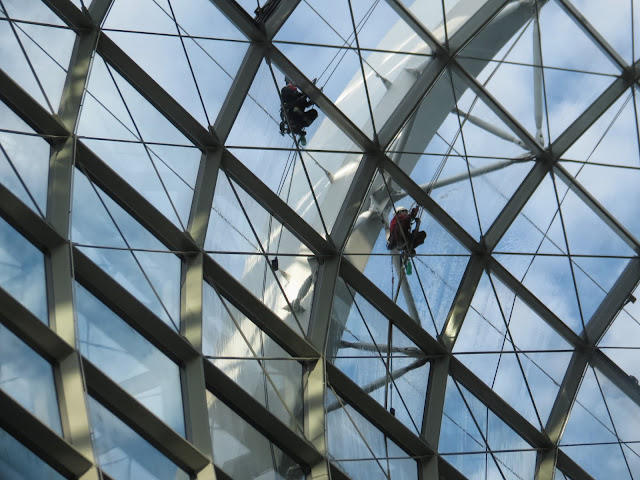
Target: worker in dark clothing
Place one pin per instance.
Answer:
(400, 235)
(294, 103)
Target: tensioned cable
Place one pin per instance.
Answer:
(124, 239)
(146, 149)
(517, 355)
(364, 76)
(266, 257)
(304, 167)
(21, 180)
(260, 362)
(346, 45)
(186, 54)
(615, 430)
(464, 148)
(366, 443)
(484, 438)
(26, 56)
(381, 357)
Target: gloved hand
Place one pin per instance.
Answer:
(414, 211)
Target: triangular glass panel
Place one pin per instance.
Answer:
(31, 10)
(589, 421)
(122, 453)
(611, 140)
(625, 412)
(22, 272)
(24, 162)
(145, 16)
(129, 359)
(118, 111)
(241, 350)
(149, 271)
(590, 458)
(285, 282)
(360, 449)
(165, 175)
(485, 346)
(470, 431)
(378, 357)
(622, 339)
(49, 50)
(614, 24)
(175, 76)
(338, 69)
(14, 63)
(243, 452)
(616, 190)
(438, 265)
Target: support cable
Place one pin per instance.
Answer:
(484, 438)
(364, 76)
(186, 54)
(517, 355)
(615, 430)
(146, 149)
(306, 173)
(21, 180)
(381, 357)
(366, 443)
(260, 362)
(26, 56)
(264, 254)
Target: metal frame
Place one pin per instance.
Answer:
(73, 455)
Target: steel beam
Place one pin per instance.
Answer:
(37, 437)
(515, 204)
(376, 414)
(277, 18)
(597, 208)
(241, 19)
(239, 91)
(593, 112)
(591, 32)
(613, 303)
(142, 421)
(462, 300)
(194, 399)
(155, 94)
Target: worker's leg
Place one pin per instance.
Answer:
(310, 116)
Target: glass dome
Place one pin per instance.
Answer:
(190, 291)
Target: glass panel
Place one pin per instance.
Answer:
(378, 357)
(22, 271)
(497, 325)
(28, 378)
(105, 232)
(123, 454)
(470, 429)
(248, 356)
(425, 285)
(128, 359)
(35, 56)
(17, 462)
(362, 451)
(24, 161)
(242, 452)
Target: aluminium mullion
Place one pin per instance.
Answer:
(69, 373)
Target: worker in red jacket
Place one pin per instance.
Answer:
(400, 235)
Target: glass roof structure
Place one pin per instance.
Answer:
(186, 293)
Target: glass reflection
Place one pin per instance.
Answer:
(123, 454)
(28, 378)
(242, 452)
(22, 271)
(17, 462)
(130, 360)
